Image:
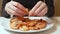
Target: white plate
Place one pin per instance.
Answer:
(5, 24)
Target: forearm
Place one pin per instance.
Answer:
(3, 12)
(50, 5)
(50, 12)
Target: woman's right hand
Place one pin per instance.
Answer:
(15, 8)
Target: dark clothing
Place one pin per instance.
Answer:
(30, 4)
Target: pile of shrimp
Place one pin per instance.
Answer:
(27, 24)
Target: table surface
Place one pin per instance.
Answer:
(54, 30)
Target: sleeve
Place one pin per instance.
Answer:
(50, 5)
(3, 12)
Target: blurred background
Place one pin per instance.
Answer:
(56, 4)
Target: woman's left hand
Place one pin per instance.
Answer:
(40, 9)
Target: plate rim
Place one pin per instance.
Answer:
(26, 31)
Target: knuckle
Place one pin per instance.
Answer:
(40, 1)
(13, 12)
(15, 9)
(15, 3)
(6, 8)
(46, 7)
(44, 4)
(6, 4)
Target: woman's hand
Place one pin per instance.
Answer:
(40, 9)
(15, 8)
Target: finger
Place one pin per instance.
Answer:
(34, 8)
(18, 5)
(16, 9)
(43, 12)
(43, 5)
(10, 11)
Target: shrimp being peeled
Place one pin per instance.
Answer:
(27, 24)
